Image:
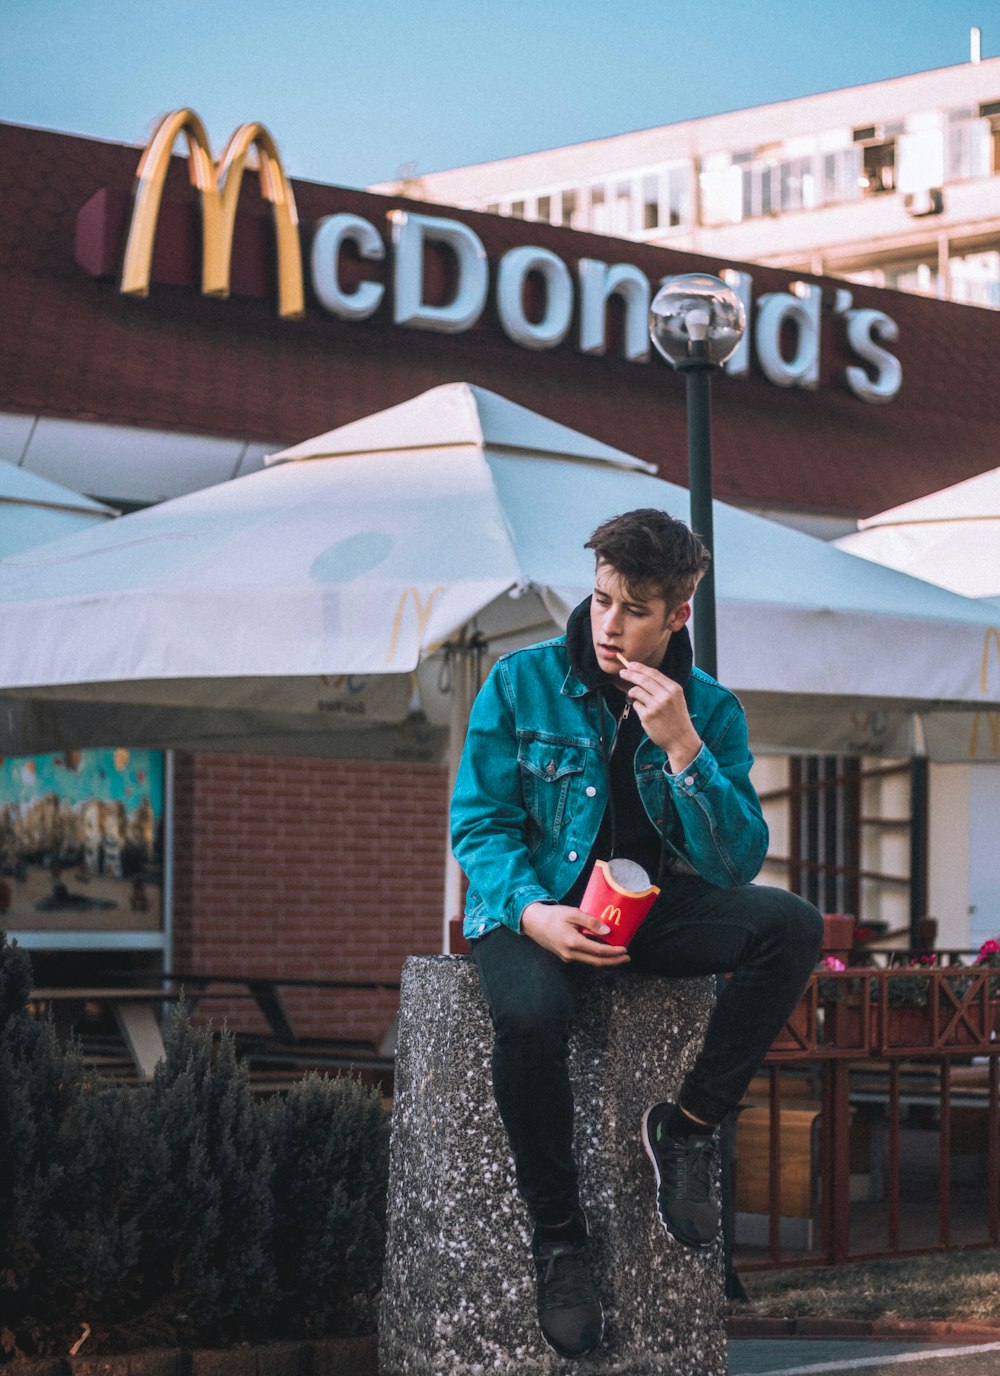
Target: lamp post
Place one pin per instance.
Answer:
(696, 322)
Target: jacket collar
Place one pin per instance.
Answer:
(586, 676)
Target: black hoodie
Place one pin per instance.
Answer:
(625, 828)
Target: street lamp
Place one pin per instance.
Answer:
(696, 322)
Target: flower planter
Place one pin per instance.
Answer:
(908, 1028)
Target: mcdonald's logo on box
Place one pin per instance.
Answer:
(620, 895)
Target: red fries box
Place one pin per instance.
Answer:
(620, 895)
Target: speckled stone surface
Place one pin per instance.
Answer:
(459, 1295)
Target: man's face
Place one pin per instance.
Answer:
(623, 622)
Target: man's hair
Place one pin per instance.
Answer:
(653, 552)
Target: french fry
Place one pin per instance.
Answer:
(619, 655)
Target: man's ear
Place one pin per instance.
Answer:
(679, 616)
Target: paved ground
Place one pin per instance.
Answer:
(871, 1357)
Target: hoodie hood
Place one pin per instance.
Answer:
(677, 661)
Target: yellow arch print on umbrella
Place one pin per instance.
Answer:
(423, 610)
(992, 719)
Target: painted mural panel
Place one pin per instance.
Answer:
(81, 841)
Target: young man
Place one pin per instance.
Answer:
(574, 756)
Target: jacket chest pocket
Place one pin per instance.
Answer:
(551, 772)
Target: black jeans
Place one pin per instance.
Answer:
(768, 939)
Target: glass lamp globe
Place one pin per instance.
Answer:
(692, 308)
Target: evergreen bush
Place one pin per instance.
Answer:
(331, 1147)
(183, 1211)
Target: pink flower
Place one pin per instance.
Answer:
(832, 963)
(989, 948)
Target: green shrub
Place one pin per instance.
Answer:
(182, 1211)
(331, 1147)
(204, 1179)
(39, 1082)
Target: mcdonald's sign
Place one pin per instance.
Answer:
(395, 257)
(423, 612)
(218, 188)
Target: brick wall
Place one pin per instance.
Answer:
(313, 869)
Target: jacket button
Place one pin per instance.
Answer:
(572, 855)
(591, 791)
(690, 781)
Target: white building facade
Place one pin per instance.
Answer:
(895, 184)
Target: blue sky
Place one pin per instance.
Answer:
(353, 91)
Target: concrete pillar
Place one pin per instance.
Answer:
(459, 1293)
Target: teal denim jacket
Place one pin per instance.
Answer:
(531, 788)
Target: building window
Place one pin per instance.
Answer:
(797, 183)
(651, 202)
(517, 209)
(567, 209)
(666, 198)
(990, 112)
(975, 279)
(621, 208)
(878, 159)
(839, 176)
(760, 194)
(967, 147)
(678, 196)
(852, 832)
(544, 211)
(878, 168)
(919, 279)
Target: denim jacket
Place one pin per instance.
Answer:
(531, 787)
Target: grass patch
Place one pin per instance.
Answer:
(960, 1286)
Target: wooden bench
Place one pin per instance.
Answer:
(134, 1011)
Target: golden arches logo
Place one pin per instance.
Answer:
(992, 719)
(992, 637)
(423, 611)
(218, 189)
(612, 915)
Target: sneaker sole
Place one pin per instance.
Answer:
(694, 1246)
(572, 1356)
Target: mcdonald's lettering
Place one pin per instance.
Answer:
(431, 272)
(218, 191)
(612, 915)
(423, 611)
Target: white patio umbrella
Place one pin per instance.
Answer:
(35, 511)
(316, 605)
(951, 537)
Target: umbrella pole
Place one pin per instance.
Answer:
(463, 667)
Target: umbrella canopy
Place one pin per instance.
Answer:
(34, 511)
(338, 595)
(951, 537)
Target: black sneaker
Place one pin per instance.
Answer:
(569, 1310)
(686, 1172)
